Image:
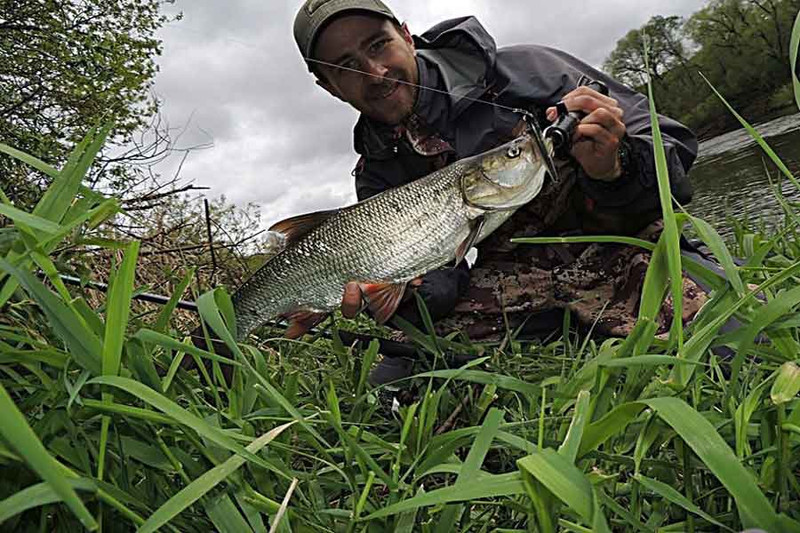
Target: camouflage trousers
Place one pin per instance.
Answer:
(601, 286)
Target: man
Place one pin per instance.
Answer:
(449, 93)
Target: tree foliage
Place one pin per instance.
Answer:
(66, 65)
(741, 46)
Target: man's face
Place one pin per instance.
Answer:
(381, 53)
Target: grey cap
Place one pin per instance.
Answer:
(315, 13)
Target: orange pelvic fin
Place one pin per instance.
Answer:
(383, 298)
(302, 321)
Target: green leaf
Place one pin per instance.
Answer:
(485, 378)
(671, 232)
(479, 449)
(757, 136)
(180, 415)
(698, 433)
(166, 312)
(83, 345)
(786, 385)
(29, 160)
(672, 495)
(58, 197)
(563, 479)
(793, 47)
(38, 223)
(118, 308)
(202, 485)
(489, 487)
(569, 448)
(15, 430)
(38, 495)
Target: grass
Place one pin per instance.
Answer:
(101, 427)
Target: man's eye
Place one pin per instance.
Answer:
(350, 64)
(377, 46)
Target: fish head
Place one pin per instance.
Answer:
(506, 177)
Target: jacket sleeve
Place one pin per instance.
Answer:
(544, 75)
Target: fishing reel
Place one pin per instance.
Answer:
(562, 130)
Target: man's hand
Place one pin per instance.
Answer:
(596, 142)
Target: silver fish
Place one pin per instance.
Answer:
(389, 239)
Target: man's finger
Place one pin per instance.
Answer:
(600, 135)
(351, 300)
(608, 119)
(586, 91)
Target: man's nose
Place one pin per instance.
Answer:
(376, 69)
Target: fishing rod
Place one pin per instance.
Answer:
(386, 346)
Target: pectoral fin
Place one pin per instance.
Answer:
(383, 299)
(475, 228)
(302, 321)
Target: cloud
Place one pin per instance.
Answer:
(230, 74)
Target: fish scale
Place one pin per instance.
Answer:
(392, 237)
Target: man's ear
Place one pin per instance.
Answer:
(329, 88)
(404, 31)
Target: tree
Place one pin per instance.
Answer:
(665, 45)
(66, 65)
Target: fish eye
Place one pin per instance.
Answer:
(513, 152)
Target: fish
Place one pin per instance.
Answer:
(387, 240)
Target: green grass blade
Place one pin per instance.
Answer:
(647, 360)
(180, 415)
(698, 433)
(225, 516)
(118, 308)
(33, 221)
(166, 312)
(562, 479)
(202, 485)
(569, 448)
(479, 449)
(757, 137)
(38, 495)
(702, 339)
(489, 487)
(717, 246)
(159, 339)
(485, 378)
(62, 191)
(781, 306)
(672, 495)
(15, 430)
(671, 229)
(28, 159)
(794, 44)
(83, 345)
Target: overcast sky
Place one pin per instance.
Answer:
(232, 76)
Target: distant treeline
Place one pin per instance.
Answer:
(740, 46)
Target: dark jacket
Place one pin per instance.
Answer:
(459, 58)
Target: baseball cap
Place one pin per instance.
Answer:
(311, 18)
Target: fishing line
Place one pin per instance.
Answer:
(416, 85)
(529, 117)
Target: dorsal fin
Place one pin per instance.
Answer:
(296, 227)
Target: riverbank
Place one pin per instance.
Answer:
(756, 111)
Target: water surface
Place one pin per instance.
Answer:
(730, 177)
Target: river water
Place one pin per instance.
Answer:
(730, 178)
